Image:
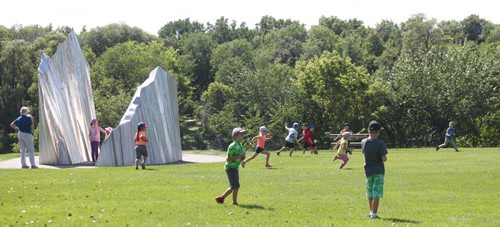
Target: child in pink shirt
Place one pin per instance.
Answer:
(95, 138)
(260, 148)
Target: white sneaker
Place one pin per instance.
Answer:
(374, 216)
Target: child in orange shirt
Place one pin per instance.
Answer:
(141, 150)
(260, 148)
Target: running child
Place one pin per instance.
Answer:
(449, 139)
(375, 153)
(141, 150)
(307, 138)
(343, 149)
(260, 148)
(235, 154)
(347, 128)
(95, 138)
(291, 139)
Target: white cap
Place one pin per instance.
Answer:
(263, 128)
(346, 134)
(237, 131)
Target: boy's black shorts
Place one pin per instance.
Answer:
(234, 178)
(308, 145)
(259, 150)
(289, 145)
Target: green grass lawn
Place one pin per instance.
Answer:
(421, 187)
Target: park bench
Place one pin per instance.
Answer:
(355, 139)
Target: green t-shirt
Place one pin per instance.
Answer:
(234, 149)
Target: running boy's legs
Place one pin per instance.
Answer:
(453, 144)
(445, 144)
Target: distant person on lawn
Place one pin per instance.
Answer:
(260, 148)
(235, 154)
(95, 138)
(449, 138)
(375, 153)
(24, 126)
(141, 150)
(291, 139)
(307, 138)
(343, 149)
(347, 128)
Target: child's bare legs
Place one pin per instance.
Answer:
(267, 156)
(143, 164)
(373, 203)
(280, 150)
(226, 193)
(235, 196)
(251, 157)
(137, 160)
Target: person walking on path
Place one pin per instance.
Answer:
(24, 126)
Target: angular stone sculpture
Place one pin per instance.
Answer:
(155, 103)
(66, 105)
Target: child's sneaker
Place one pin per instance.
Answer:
(278, 153)
(437, 148)
(349, 151)
(243, 163)
(143, 166)
(219, 199)
(374, 216)
(236, 204)
(268, 165)
(137, 168)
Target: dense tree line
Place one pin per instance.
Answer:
(414, 76)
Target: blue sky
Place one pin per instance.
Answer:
(151, 15)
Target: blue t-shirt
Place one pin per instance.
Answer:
(450, 133)
(373, 150)
(24, 123)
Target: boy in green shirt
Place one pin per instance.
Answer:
(235, 154)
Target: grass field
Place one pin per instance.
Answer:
(422, 187)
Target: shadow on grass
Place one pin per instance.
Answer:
(255, 206)
(398, 220)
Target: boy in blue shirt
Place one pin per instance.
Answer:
(375, 153)
(449, 138)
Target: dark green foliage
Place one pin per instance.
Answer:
(415, 77)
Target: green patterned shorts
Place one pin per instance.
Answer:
(375, 186)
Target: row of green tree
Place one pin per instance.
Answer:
(414, 77)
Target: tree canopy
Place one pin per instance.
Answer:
(414, 76)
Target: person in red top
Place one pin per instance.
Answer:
(308, 139)
(141, 150)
